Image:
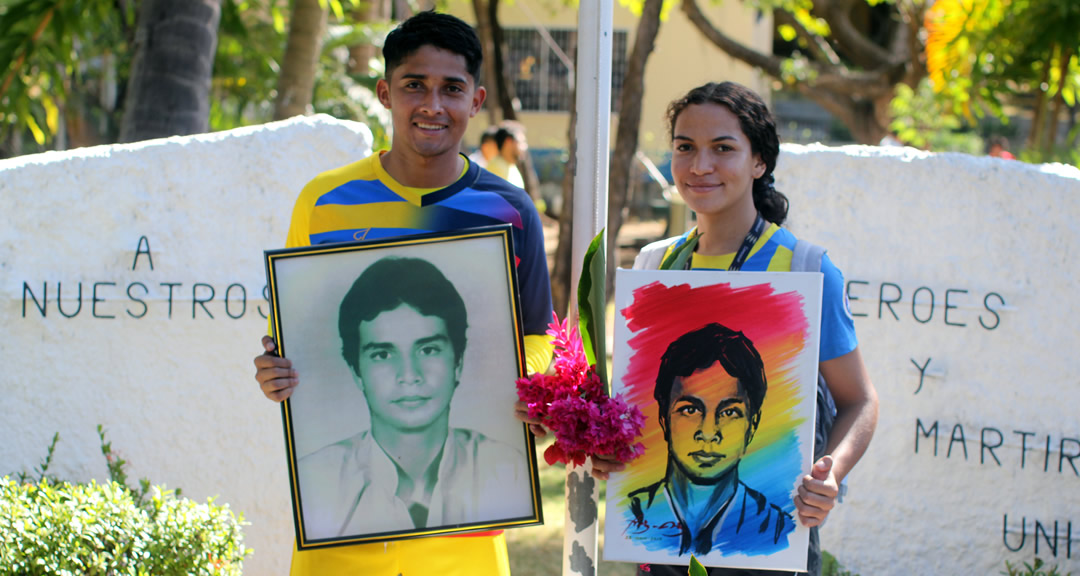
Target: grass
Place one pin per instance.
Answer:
(537, 551)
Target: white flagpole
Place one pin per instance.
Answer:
(595, 30)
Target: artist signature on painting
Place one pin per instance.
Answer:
(642, 528)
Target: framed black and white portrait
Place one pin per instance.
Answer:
(406, 351)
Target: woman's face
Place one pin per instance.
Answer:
(712, 162)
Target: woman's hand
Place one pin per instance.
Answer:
(817, 494)
(604, 464)
(521, 412)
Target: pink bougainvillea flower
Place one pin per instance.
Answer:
(574, 404)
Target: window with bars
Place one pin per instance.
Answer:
(541, 79)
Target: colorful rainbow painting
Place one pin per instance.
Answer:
(727, 506)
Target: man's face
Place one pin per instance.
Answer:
(407, 369)
(708, 424)
(431, 98)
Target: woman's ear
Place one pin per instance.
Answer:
(759, 166)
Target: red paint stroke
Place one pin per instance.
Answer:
(660, 314)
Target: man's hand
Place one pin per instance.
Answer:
(521, 412)
(275, 374)
(604, 464)
(817, 494)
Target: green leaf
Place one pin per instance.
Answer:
(35, 130)
(680, 255)
(592, 298)
(696, 569)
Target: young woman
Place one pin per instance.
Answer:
(724, 150)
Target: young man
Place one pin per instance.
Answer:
(411, 470)
(709, 391)
(420, 185)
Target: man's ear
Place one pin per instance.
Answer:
(479, 95)
(457, 372)
(356, 379)
(382, 90)
(753, 427)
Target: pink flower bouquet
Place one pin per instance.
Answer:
(574, 404)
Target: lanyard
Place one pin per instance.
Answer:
(747, 244)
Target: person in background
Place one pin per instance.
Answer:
(999, 148)
(488, 148)
(510, 139)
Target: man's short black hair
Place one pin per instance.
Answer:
(501, 136)
(702, 348)
(436, 29)
(489, 135)
(391, 282)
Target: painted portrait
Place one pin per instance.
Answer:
(724, 367)
(407, 353)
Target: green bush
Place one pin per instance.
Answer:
(51, 527)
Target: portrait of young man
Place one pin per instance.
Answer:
(421, 184)
(709, 391)
(411, 469)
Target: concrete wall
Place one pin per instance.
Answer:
(992, 240)
(992, 243)
(174, 390)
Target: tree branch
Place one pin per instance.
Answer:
(860, 49)
(817, 45)
(26, 49)
(832, 78)
(769, 64)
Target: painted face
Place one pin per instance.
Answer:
(712, 161)
(407, 369)
(709, 424)
(431, 97)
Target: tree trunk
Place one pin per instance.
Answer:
(1035, 137)
(361, 54)
(169, 90)
(504, 89)
(562, 271)
(626, 139)
(487, 43)
(296, 83)
(1059, 98)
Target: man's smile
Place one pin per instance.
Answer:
(427, 126)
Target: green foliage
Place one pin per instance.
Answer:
(592, 299)
(1036, 569)
(53, 65)
(921, 119)
(52, 527)
(680, 255)
(980, 52)
(64, 65)
(831, 567)
(696, 569)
